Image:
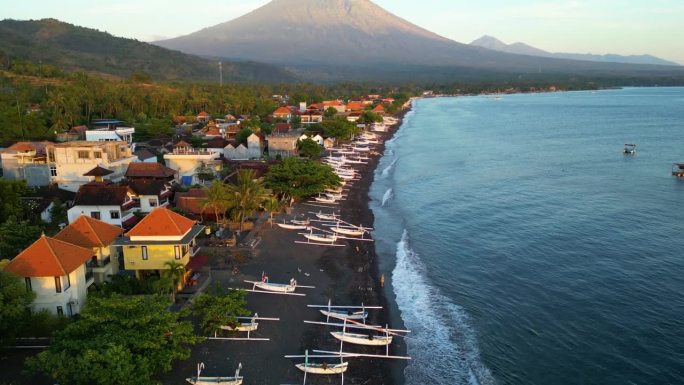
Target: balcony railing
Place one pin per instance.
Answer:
(89, 276)
(99, 263)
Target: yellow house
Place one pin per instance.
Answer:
(160, 237)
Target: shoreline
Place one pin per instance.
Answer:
(347, 275)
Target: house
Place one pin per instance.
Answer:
(146, 156)
(68, 162)
(336, 104)
(186, 161)
(75, 133)
(162, 236)
(311, 117)
(26, 161)
(108, 130)
(355, 106)
(99, 237)
(316, 138)
(282, 113)
(155, 171)
(212, 130)
(150, 193)
(235, 151)
(379, 109)
(57, 272)
(283, 144)
(354, 116)
(106, 202)
(329, 143)
(203, 117)
(216, 145)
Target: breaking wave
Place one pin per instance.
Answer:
(442, 343)
(387, 196)
(388, 169)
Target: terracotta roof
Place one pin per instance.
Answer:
(379, 108)
(22, 147)
(98, 171)
(100, 195)
(203, 113)
(89, 232)
(149, 170)
(78, 129)
(282, 111)
(144, 153)
(49, 257)
(161, 222)
(355, 106)
(213, 132)
(182, 143)
(216, 143)
(282, 128)
(147, 186)
(332, 103)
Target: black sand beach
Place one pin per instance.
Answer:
(346, 275)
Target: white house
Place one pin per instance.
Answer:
(107, 130)
(186, 160)
(150, 193)
(108, 203)
(253, 150)
(56, 271)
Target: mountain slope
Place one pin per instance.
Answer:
(76, 48)
(495, 44)
(358, 40)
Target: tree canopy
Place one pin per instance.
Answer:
(298, 178)
(14, 300)
(15, 236)
(117, 340)
(309, 148)
(339, 128)
(220, 308)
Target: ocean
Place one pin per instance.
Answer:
(523, 247)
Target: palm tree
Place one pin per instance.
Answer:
(173, 277)
(218, 199)
(272, 205)
(249, 194)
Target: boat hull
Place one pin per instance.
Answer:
(319, 369)
(350, 232)
(214, 380)
(243, 327)
(320, 238)
(289, 226)
(276, 287)
(362, 339)
(358, 315)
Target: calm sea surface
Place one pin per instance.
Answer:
(523, 247)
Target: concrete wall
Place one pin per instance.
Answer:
(157, 256)
(76, 211)
(47, 298)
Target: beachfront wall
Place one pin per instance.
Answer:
(283, 144)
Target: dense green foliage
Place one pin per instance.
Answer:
(299, 178)
(14, 300)
(309, 148)
(60, 44)
(11, 192)
(15, 236)
(117, 340)
(220, 308)
(127, 285)
(369, 117)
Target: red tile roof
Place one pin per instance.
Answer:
(203, 113)
(95, 194)
(282, 127)
(282, 111)
(162, 222)
(98, 171)
(355, 106)
(149, 170)
(89, 232)
(49, 257)
(379, 108)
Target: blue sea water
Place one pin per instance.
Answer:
(523, 247)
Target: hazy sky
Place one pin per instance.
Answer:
(579, 26)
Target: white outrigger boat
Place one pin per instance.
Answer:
(323, 368)
(344, 312)
(327, 217)
(264, 286)
(362, 339)
(245, 327)
(295, 225)
(324, 238)
(325, 199)
(349, 231)
(199, 380)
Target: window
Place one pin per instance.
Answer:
(177, 251)
(143, 249)
(95, 214)
(153, 202)
(60, 311)
(58, 284)
(97, 155)
(70, 310)
(83, 155)
(67, 283)
(53, 170)
(185, 249)
(115, 214)
(28, 283)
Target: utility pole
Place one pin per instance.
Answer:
(220, 73)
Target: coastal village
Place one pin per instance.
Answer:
(217, 205)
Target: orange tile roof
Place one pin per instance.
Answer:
(162, 222)
(49, 257)
(203, 113)
(282, 111)
(89, 232)
(379, 108)
(332, 103)
(355, 106)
